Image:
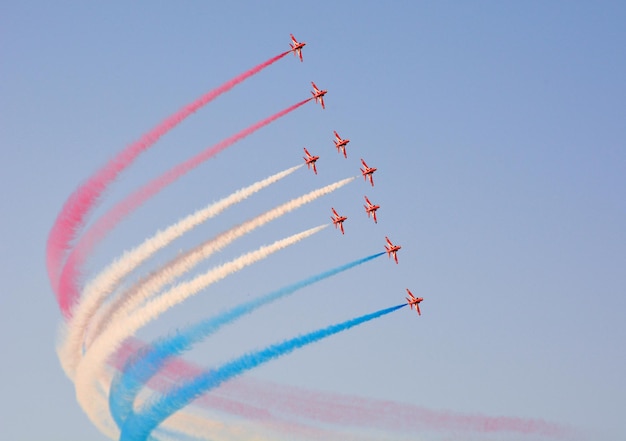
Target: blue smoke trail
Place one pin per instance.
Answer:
(138, 427)
(148, 361)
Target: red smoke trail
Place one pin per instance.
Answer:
(378, 414)
(72, 216)
(68, 283)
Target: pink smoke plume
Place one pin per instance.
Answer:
(81, 202)
(68, 291)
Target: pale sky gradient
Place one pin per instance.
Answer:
(498, 130)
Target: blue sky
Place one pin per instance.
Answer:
(498, 132)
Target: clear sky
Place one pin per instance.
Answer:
(498, 130)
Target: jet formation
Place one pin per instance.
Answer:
(366, 171)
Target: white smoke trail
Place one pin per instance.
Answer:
(152, 284)
(143, 291)
(109, 279)
(95, 360)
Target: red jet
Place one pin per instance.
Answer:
(338, 220)
(341, 144)
(370, 209)
(318, 94)
(310, 160)
(368, 171)
(296, 47)
(414, 301)
(392, 249)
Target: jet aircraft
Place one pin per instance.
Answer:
(370, 209)
(318, 94)
(368, 171)
(338, 220)
(414, 301)
(341, 144)
(296, 47)
(310, 160)
(392, 249)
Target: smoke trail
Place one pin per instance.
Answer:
(187, 423)
(68, 289)
(105, 283)
(187, 426)
(95, 359)
(363, 412)
(142, 291)
(177, 229)
(148, 361)
(266, 400)
(72, 216)
(138, 427)
(184, 263)
(256, 419)
(176, 369)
